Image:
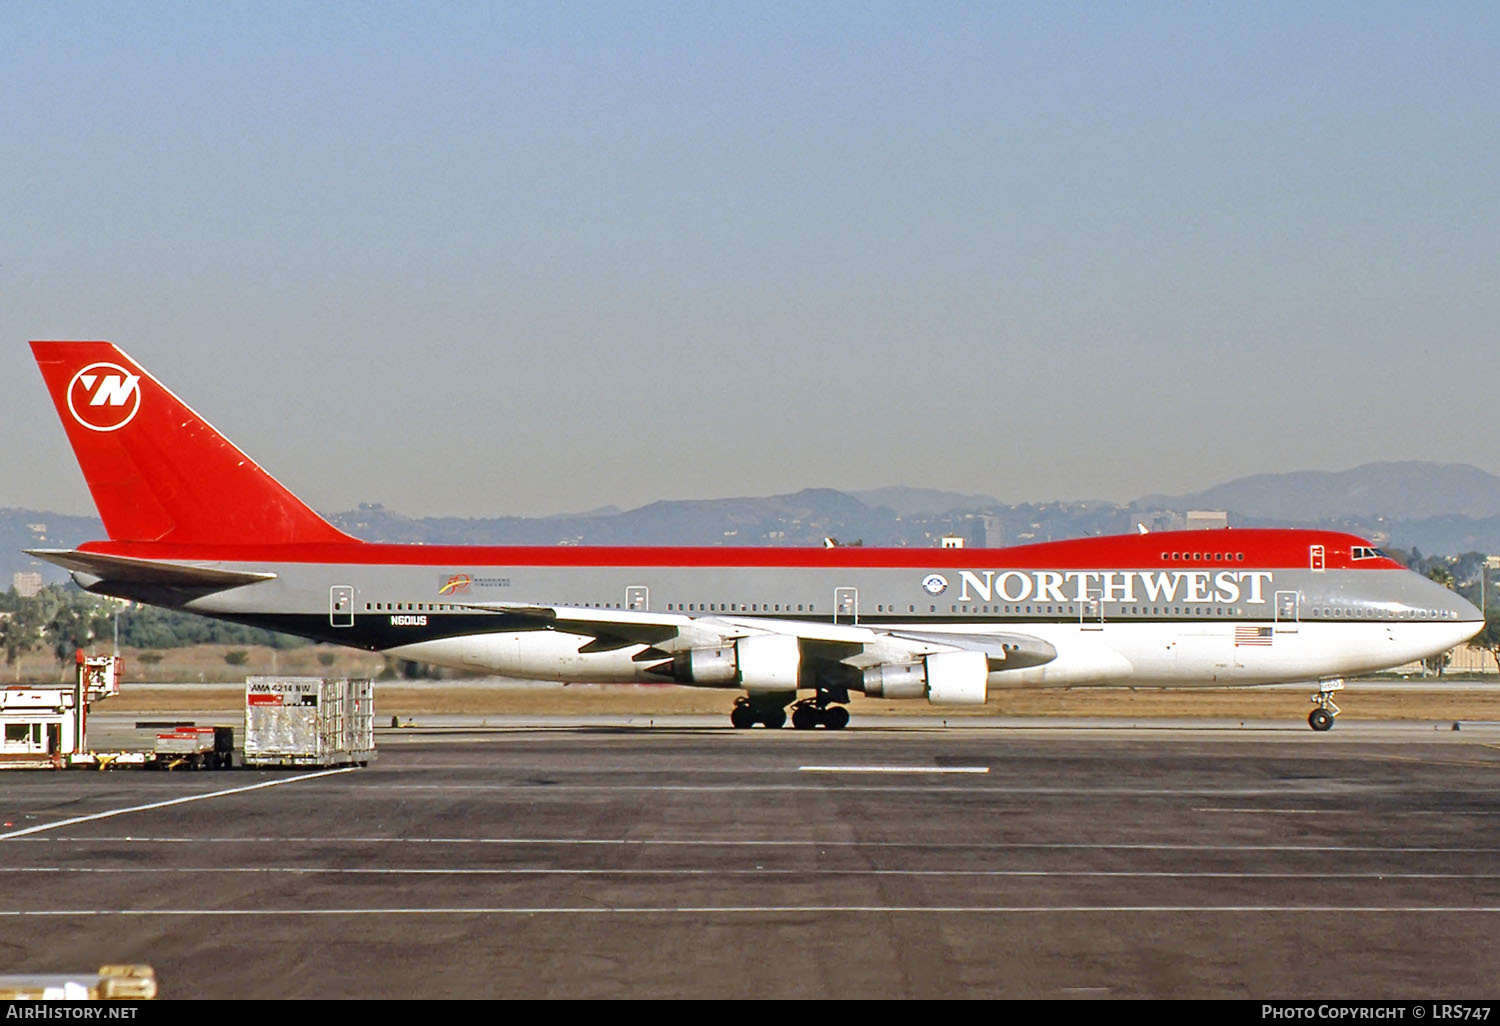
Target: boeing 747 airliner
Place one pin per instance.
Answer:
(194, 524)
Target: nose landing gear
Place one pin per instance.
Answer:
(1321, 718)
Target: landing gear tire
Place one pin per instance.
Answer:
(808, 714)
(1321, 718)
(747, 713)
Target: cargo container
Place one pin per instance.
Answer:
(309, 721)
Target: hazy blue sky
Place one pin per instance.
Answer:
(493, 258)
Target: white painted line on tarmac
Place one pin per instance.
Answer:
(999, 790)
(757, 871)
(850, 783)
(647, 842)
(173, 801)
(541, 910)
(893, 769)
(1445, 813)
(1274, 812)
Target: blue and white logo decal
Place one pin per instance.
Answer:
(934, 584)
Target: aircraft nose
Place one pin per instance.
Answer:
(1428, 598)
(1464, 609)
(1453, 606)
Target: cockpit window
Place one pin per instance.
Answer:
(1368, 552)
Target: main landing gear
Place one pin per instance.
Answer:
(747, 714)
(807, 714)
(1321, 718)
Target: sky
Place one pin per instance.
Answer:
(494, 258)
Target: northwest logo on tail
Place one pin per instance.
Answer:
(104, 396)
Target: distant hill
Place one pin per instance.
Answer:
(802, 518)
(1412, 490)
(1450, 535)
(31, 529)
(914, 501)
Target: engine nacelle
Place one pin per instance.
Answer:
(957, 678)
(892, 680)
(707, 667)
(769, 662)
(946, 678)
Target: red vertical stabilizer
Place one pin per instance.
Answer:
(158, 471)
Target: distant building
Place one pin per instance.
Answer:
(951, 541)
(27, 583)
(971, 531)
(1207, 520)
(994, 532)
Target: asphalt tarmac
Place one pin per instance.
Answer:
(681, 858)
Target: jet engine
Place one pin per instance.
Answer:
(946, 678)
(770, 662)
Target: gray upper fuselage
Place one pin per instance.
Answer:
(384, 595)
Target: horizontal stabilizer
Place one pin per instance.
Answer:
(125, 570)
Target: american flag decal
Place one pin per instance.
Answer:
(1252, 636)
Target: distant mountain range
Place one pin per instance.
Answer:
(30, 529)
(1437, 507)
(908, 502)
(802, 518)
(1412, 490)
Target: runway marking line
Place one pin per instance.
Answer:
(646, 842)
(893, 769)
(1270, 812)
(1337, 811)
(169, 802)
(1000, 791)
(537, 910)
(761, 871)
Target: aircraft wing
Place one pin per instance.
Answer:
(619, 628)
(851, 644)
(1005, 650)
